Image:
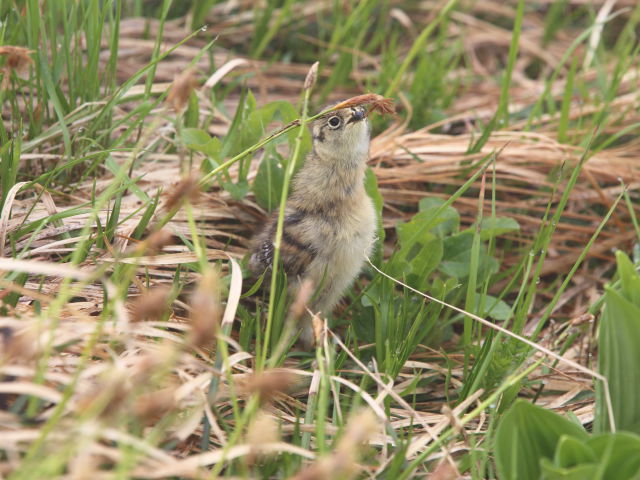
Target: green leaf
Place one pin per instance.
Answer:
(580, 472)
(267, 185)
(457, 258)
(412, 231)
(424, 263)
(253, 122)
(201, 141)
(572, 452)
(618, 359)
(449, 218)
(237, 190)
(619, 455)
(494, 226)
(494, 308)
(629, 279)
(527, 434)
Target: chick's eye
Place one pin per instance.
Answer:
(334, 122)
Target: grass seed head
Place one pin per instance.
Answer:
(154, 243)
(152, 304)
(108, 396)
(445, 470)
(343, 462)
(152, 406)
(360, 427)
(262, 430)
(267, 385)
(187, 189)
(206, 310)
(377, 103)
(18, 61)
(311, 77)
(17, 344)
(181, 89)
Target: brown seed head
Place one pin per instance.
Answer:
(343, 462)
(151, 407)
(18, 60)
(187, 189)
(445, 471)
(360, 427)
(17, 344)
(267, 385)
(206, 310)
(263, 429)
(181, 89)
(107, 397)
(152, 365)
(154, 243)
(376, 102)
(152, 304)
(312, 76)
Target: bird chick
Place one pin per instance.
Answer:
(330, 221)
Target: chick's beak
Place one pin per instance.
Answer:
(357, 115)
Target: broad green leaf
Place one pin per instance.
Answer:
(411, 232)
(449, 218)
(494, 308)
(201, 141)
(572, 452)
(619, 454)
(425, 261)
(457, 258)
(493, 226)
(580, 472)
(421, 257)
(267, 185)
(618, 360)
(237, 190)
(527, 434)
(629, 279)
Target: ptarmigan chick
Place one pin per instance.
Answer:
(330, 221)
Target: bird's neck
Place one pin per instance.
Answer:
(334, 181)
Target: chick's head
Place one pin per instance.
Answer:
(342, 135)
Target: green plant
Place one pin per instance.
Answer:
(533, 443)
(618, 352)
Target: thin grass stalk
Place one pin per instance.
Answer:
(503, 103)
(470, 300)
(418, 47)
(482, 406)
(280, 225)
(565, 283)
